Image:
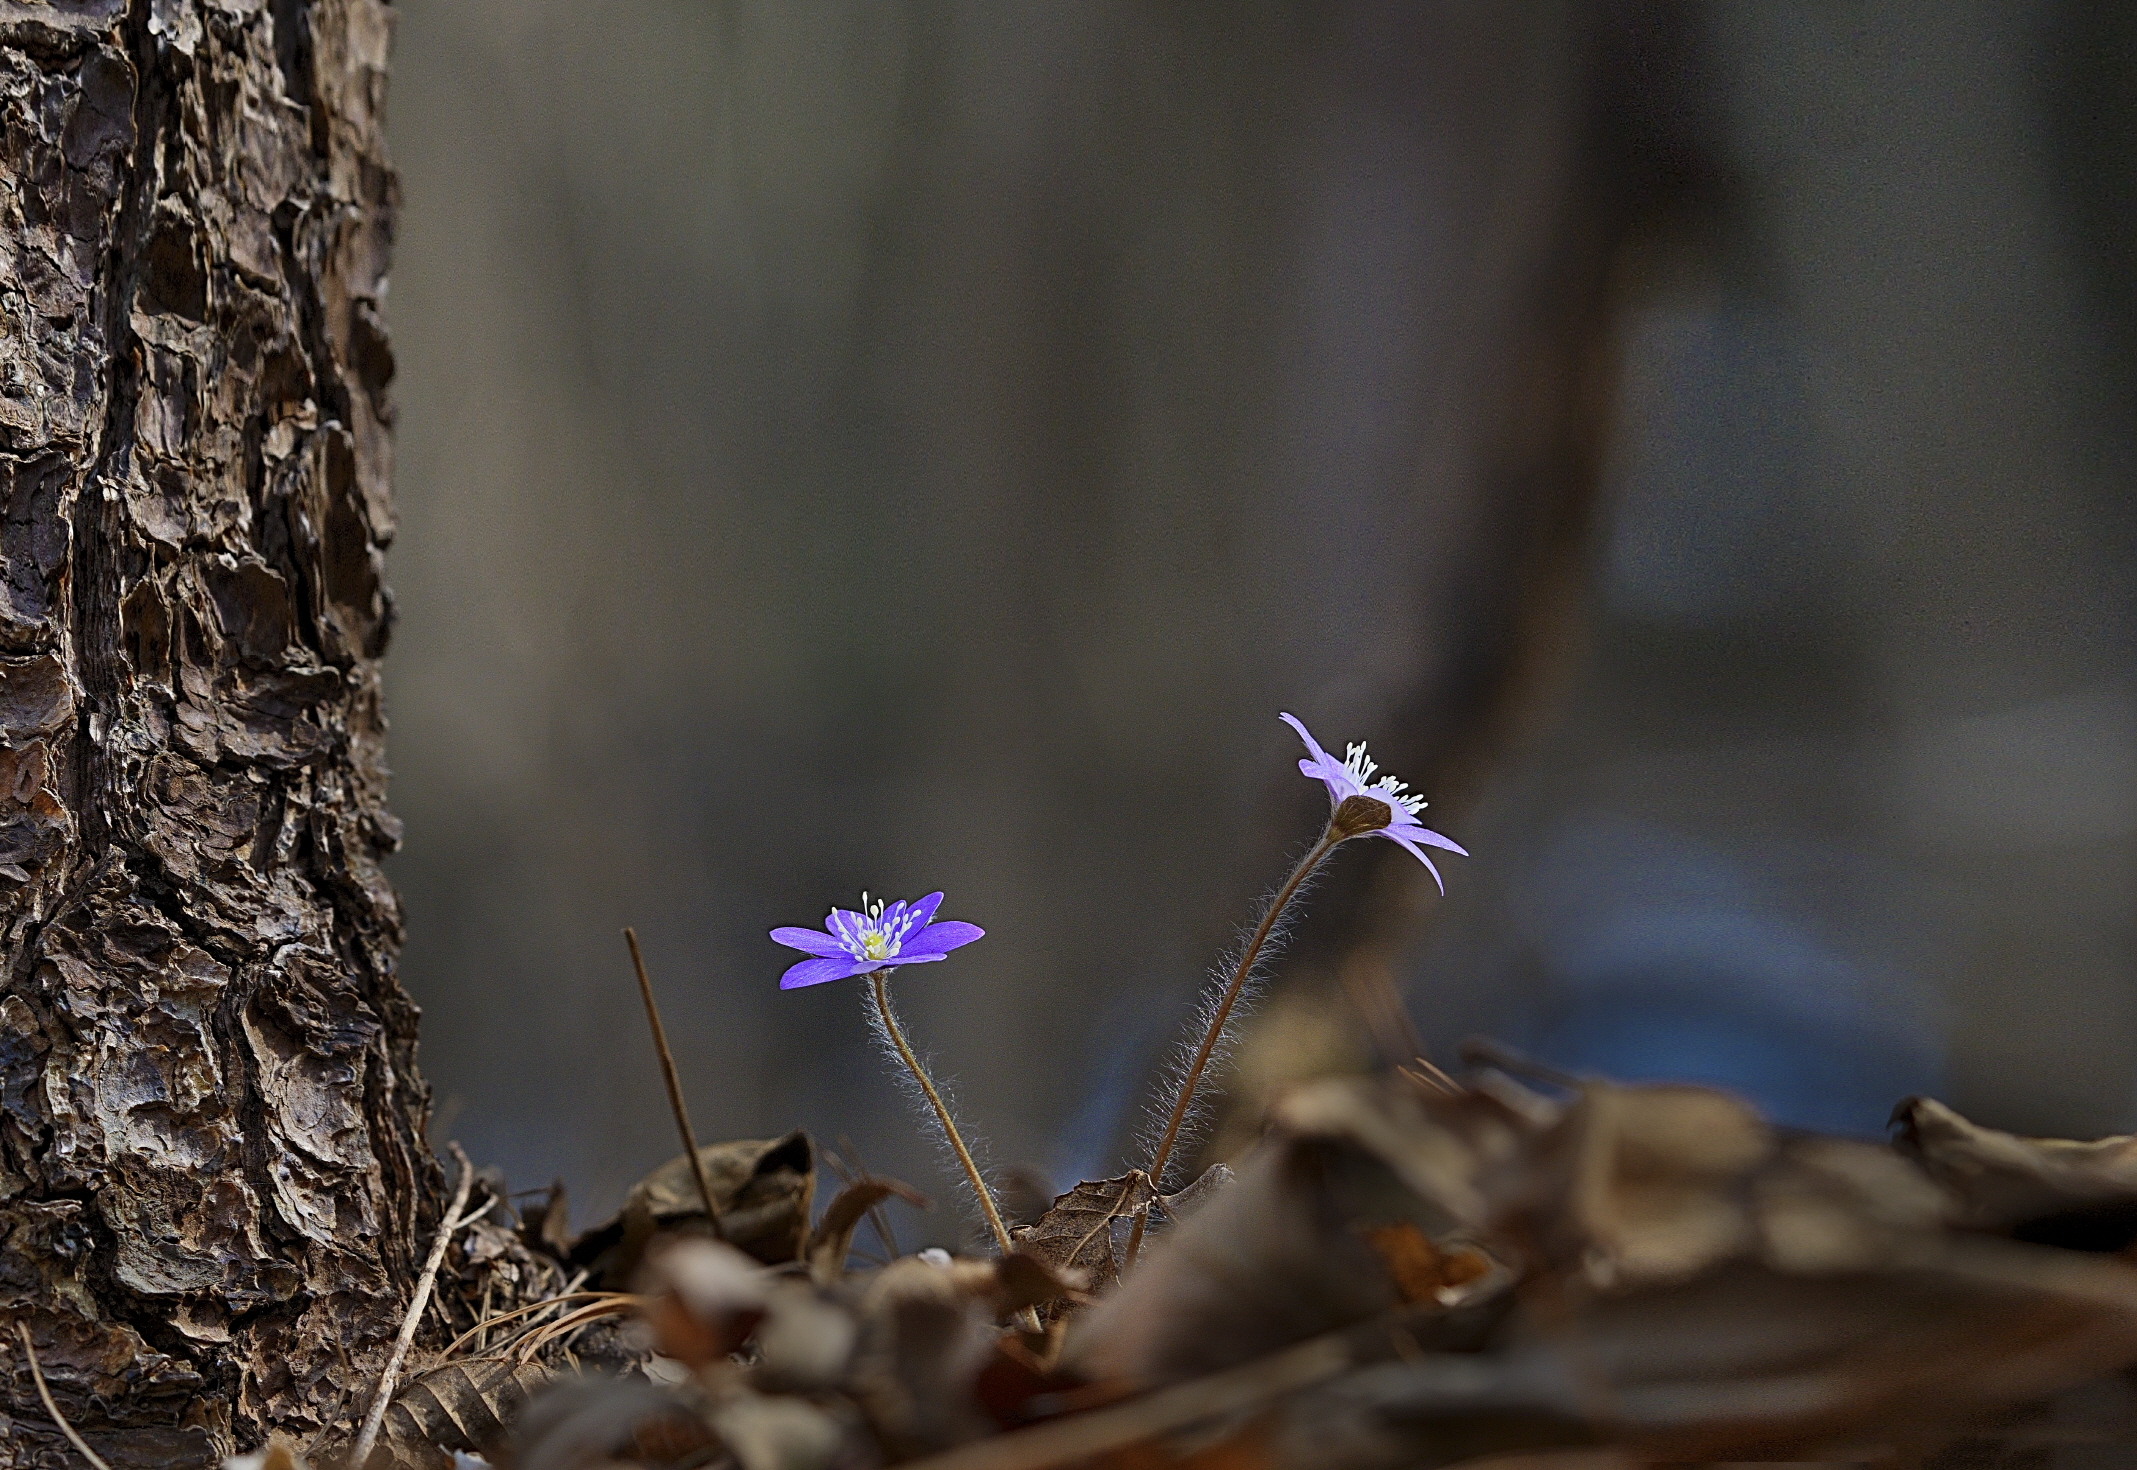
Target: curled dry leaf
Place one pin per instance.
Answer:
(924, 1332)
(1277, 1258)
(466, 1405)
(1022, 1280)
(1423, 1271)
(832, 1240)
(806, 1340)
(764, 1188)
(779, 1433)
(1198, 1192)
(2051, 1190)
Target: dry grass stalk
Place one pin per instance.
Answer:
(481, 1329)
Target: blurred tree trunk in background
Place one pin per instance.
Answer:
(212, 1172)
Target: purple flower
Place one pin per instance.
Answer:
(872, 938)
(1353, 776)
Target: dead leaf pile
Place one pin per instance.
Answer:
(1398, 1275)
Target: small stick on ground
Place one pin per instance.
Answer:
(37, 1376)
(675, 1087)
(383, 1395)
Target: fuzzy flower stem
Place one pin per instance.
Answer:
(896, 1033)
(1342, 824)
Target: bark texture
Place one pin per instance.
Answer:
(212, 1173)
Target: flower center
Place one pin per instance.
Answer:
(875, 940)
(1360, 768)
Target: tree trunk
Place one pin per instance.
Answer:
(212, 1171)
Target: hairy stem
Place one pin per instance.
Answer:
(1191, 1079)
(896, 1033)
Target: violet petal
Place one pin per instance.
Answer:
(820, 970)
(810, 941)
(1414, 851)
(941, 938)
(1404, 831)
(1306, 735)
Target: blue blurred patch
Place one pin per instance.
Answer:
(1666, 959)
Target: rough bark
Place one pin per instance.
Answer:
(212, 1173)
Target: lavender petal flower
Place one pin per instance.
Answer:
(1355, 776)
(873, 937)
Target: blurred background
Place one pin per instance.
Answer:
(923, 446)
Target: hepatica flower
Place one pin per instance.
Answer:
(873, 940)
(1354, 775)
(873, 937)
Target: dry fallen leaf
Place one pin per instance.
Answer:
(764, 1188)
(1087, 1227)
(1694, 1285)
(467, 1405)
(2051, 1190)
(1078, 1231)
(597, 1422)
(1408, 1277)
(1422, 1271)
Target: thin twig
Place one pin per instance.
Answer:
(675, 1087)
(1372, 992)
(1482, 1049)
(37, 1376)
(482, 1312)
(877, 1215)
(383, 1395)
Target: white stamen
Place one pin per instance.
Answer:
(1360, 767)
(875, 940)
